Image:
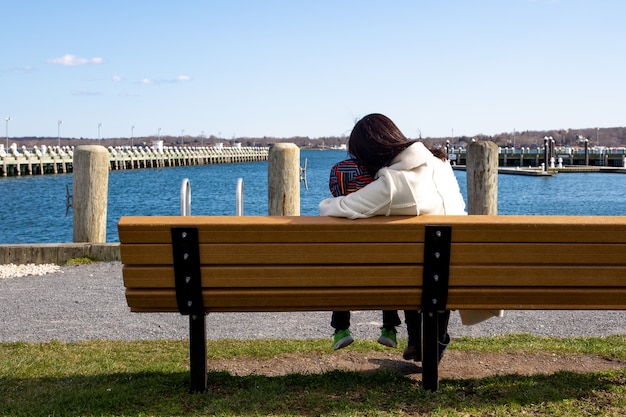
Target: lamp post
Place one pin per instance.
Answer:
(546, 151)
(99, 126)
(7, 119)
(132, 131)
(59, 123)
(182, 137)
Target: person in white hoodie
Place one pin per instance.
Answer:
(410, 179)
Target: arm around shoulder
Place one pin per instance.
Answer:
(371, 200)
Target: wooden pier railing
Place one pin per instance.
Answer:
(60, 160)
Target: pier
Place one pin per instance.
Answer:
(55, 160)
(584, 160)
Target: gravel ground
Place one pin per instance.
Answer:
(86, 302)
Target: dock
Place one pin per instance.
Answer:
(538, 172)
(55, 160)
(527, 158)
(529, 171)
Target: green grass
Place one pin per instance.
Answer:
(83, 260)
(114, 378)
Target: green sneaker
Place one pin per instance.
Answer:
(342, 339)
(388, 337)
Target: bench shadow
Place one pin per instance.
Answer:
(384, 389)
(401, 366)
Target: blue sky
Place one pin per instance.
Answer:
(310, 68)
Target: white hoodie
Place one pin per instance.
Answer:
(416, 183)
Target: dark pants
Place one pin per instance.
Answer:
(341, 319)
(413, 320)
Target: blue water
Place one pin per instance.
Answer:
(32, 209)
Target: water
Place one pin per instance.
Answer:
(33, 208)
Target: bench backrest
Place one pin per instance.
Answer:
(258, 263)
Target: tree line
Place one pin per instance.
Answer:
(607, 137)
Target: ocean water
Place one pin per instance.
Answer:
(33, 209)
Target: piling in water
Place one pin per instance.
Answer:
(90, 188)
(482, 178)
(283, 180)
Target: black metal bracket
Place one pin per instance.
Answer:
(435, 278)
(188, 282)
(436, 273)
(187, 274)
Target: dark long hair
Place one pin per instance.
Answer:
(375, 141)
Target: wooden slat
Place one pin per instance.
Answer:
(280, 276)
(516, 298)
(304, 299)
(537, 276)
(365, 276)
(538, 254)
(252, 229)
(300, 299)
(462, 233)
(271, 253)
(363, 253)
(224, 229)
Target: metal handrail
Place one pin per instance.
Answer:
(239, 198)
(303, 175)
(185, 198)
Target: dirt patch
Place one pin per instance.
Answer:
(455, 364)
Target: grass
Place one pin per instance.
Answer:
(82, 260)
(150, 378)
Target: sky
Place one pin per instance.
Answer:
(309, 68)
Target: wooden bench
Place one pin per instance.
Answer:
(198, 265)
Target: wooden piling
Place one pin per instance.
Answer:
(283, 180)
(482, 198)
(482, 178)
(90, 187)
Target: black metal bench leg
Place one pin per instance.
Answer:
(435, 277)
(430, 351)
(197, 353)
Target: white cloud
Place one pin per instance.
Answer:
(178, 79)
(73, 60)
(116, 79)
(19, 70)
